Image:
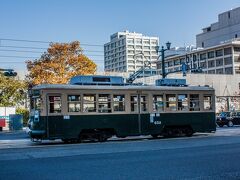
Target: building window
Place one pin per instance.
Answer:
(74, 103)
(207, 102)
(211, 64)
(236, 35)
(202, 44)
(171, 102)
(158, 104)
(55, 104)
(228, 60)
(170, 63)
(138, 41)
(219, 53)
(118, 103)
(227, 51)
(89, 103)
(194, 102)
(176, 62)
(219, 71)
(130, 41)
(211, 72)
(182, 102)
(229, 15)
(219, 62)
(229, 70)
(146, 41)
(203, 56)
(182, 60)
(203, 65)
(211, 54)
(237, 49)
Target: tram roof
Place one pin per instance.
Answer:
(127, 87)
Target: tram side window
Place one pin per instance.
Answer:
(35, 103)
(158, 103)
(89, 103)
(171, 102)
(194, 102)
(207, 102)
(104, 103)
(118, 102)
(74, 103)
(182, 102)
(143, 103)
(54, 104)
(134, 104)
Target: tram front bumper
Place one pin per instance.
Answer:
(37, 134)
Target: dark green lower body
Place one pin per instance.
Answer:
(121, 125)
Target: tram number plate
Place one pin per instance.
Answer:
(66, 117)
(153, 118)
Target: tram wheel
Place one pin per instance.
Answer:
(102, 137)
(66, 141)
(189, 132)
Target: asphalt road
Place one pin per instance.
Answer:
(203, 156)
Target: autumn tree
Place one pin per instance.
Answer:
(61, 62)
(12, 91)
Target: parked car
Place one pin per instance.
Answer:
(228, 118)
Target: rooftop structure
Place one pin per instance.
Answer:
(227, 28)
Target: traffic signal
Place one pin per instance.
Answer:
(9, 73)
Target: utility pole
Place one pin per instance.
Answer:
(162, 50)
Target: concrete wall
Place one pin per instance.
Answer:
(224, 85)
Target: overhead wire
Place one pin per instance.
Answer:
(37, 41)
(17, 49)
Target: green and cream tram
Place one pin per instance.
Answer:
(77, 112)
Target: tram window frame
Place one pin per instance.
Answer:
(193, 101)
(158, 105)
(168, 102)
(76, 101)
(180, 103)
(209, 101)
(106, 104)
(51, 104)
(134, 103)
(144, 103)
(119, 101)
(87, 109)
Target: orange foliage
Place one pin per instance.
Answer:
(61, 62)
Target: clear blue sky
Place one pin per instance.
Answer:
(93, 21)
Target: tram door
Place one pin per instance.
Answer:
(139, 106)
(54, 120)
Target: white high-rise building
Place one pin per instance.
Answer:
(227, 28)
(127, 51)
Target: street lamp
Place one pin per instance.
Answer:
(162, 50)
